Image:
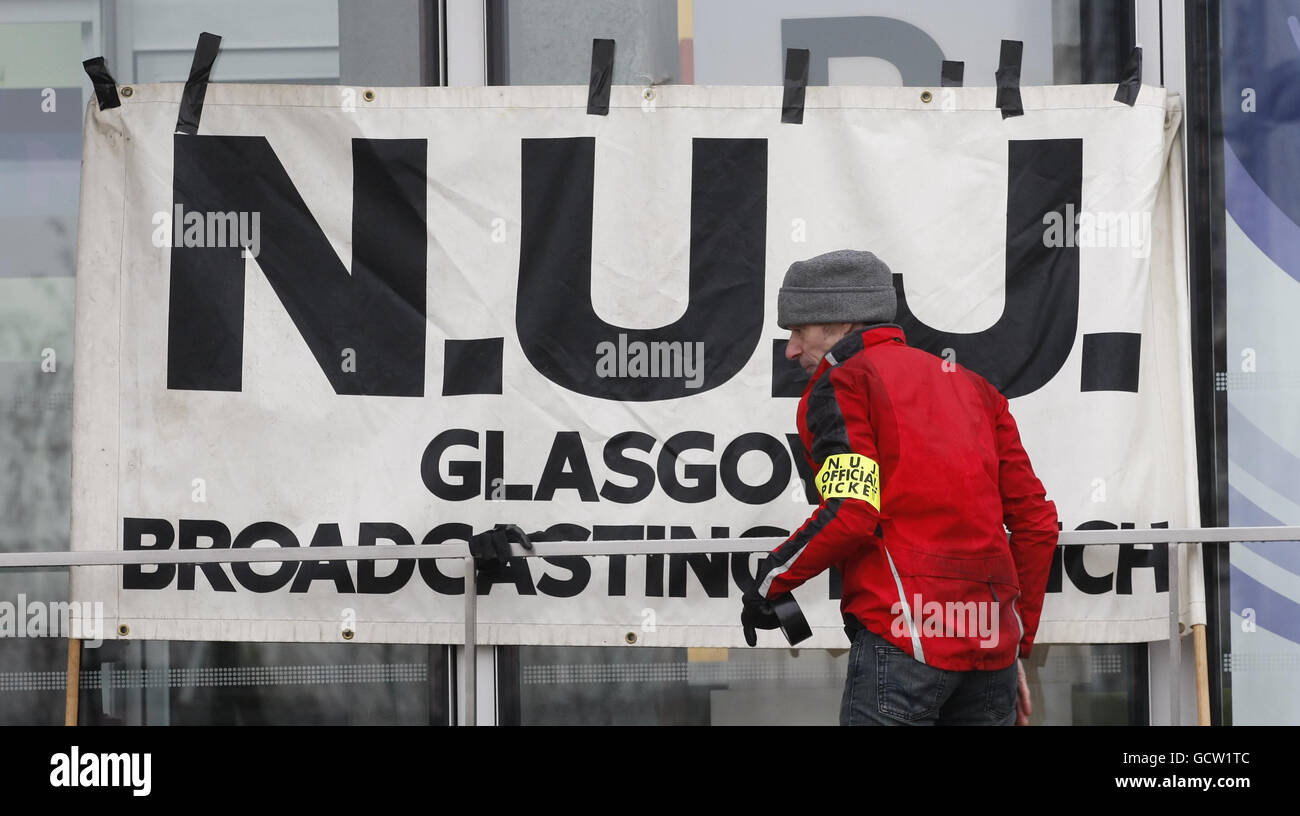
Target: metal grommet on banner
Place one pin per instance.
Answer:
(105, 85)
(951, 74)
(1131, 83)
(602, 76)
(127, 90)
(926, 96)
(348, 634)
(1008, 77)
(630, 637)
(368, 94)
(123, 630)
(796, 85)
(196, 87)
(648, 94)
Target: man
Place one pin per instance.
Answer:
(919, 466)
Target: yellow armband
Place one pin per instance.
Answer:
(850, 476)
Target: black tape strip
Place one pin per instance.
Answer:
(196, 87)
(796, 85)
(951, 74)
(105, 85)
(602, 76)
(1008, 76)
(793, 624)
(1131, 84)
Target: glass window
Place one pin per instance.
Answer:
(1069, 685)
(42, 98)
(41, 107)
(43, 94)
(1261, 212)
(743, 42)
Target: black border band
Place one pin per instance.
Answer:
(105, 85)
(602, 76)
(796, 85)
(1131, 83)
(951, 74)
(196, 87)
(1008, 77)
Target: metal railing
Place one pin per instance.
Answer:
(395, 552)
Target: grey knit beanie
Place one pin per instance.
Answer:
(844, 286)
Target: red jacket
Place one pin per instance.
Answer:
(919, 465)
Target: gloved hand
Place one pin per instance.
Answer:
(756, 613)
(491, 548)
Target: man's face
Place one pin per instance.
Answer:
(810, 342)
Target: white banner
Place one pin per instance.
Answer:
(341, 318)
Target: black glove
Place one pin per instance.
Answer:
(756, 614)
(491, 548)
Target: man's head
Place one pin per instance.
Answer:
(825, 297)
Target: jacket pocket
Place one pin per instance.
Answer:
(995, 567)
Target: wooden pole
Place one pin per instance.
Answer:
(74, 682)
(1202, 675)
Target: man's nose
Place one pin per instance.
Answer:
(792, 350)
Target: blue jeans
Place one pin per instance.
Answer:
(885, 686)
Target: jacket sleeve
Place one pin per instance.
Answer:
(848, 480)
(1029, 516)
